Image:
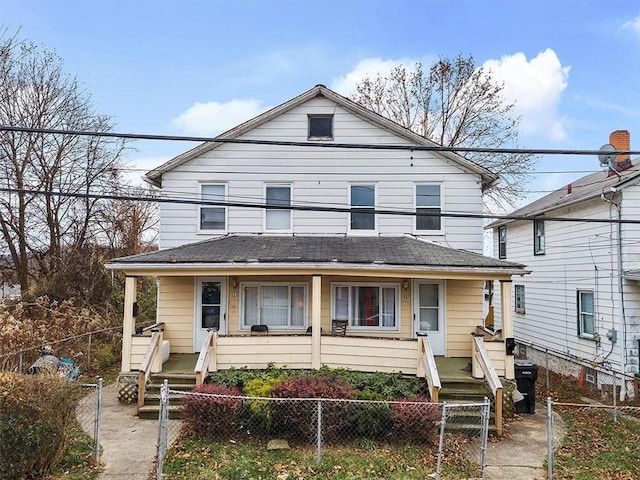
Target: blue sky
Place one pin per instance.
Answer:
(200, 67)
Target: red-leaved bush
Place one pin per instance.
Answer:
(415, 420)
(212, 411)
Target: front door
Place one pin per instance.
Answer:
(211, 309)
(428, 313)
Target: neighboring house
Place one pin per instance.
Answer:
(301, 238)
(582, 299)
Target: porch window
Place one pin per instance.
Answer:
(585, 314)
(538, 237)
(428, 207)
(367, 305)
(519, 300)
(363, 202)
(502, 242)
(280, 196)
(213, 217)
(276, 305)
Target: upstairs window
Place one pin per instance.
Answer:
(585, 314)
(428, 207)
(519, 300)
(363, 202)
(502, 242)
(213, 218)
(320, 127)
(280, 196)
(538, 237)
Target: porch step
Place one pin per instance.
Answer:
(151, 412)
(177, 381)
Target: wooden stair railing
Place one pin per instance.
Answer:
(207, 354)
(144, 372)
(480, 360)
(428, 363)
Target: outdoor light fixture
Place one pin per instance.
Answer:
(405, 284)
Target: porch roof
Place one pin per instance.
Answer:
(402, 252)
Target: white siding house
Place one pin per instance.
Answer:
(582, 299)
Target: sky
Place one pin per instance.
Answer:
(196, 67)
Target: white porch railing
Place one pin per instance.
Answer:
(207, 357)
(151, 358)
(483, 368)
(428, 363)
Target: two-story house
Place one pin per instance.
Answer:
(315, 217)
(582, 299)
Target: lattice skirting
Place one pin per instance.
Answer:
(128, 388)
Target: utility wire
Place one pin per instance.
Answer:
(314, 208)
(362, 146)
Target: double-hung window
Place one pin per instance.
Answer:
(278, 218)
(213, 217)
(320, 127)
(363, 204)
(586, 326)
(367, 305)
(538, 237)
(519, 300)
(502, 242)
(428, 207)
(275, 305)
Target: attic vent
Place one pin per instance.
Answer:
(569, 189)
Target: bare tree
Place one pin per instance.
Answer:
(40, 230)
(455, 104)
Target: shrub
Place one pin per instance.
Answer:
(260, 411)
(37, 415)
(415, 420)
(239, 377)
(389, 385)
(211, 411)
(370, 419)
(299, 417)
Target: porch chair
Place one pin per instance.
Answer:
(310, 330)
(339, 327)
(259, 330)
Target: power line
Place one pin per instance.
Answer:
(362, 146)
(315, 208)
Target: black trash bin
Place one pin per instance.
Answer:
(526, 376)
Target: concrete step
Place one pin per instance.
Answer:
(152, 412)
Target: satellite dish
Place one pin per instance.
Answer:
(605, 157)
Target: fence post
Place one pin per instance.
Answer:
(486, 413)
(546, 365)
(319, 433)
(443, 422)
(97, 431)
(615, 394)
(89, 353)
(20, 360)
(162, 427)
(549, 439)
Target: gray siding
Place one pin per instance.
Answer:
(321, 177)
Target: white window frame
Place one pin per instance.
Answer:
(538, 239)
(519, 301)
(312, 116)
(373, 231)
(224, 207)
(502, 242)
(582, 333)
(266, 210)
(416, 207)
(244, 326)
(352, 326)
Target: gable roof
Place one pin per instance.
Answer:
(323, 251)
(155, 176)
(583, 189)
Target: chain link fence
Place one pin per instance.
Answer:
(456, 433)
(89, 414)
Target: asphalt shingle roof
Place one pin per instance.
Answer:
(402, 251)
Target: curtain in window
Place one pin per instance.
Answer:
(341, 306)
(388, 307)
(251, 306)
(274, 305)
(297, 306)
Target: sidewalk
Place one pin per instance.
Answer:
(129, 444)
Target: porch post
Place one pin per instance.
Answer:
(316, 320)
(129, 321)
(507, 325)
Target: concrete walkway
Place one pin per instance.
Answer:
(129, 444)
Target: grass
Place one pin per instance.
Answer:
(78, 463)
(194, 458)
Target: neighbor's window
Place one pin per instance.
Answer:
(367, 305)
(213, 217)
(428, 207)
(585, 314)
(538, 237)
(363, 201)
(278, 219)
(519, 301)
(320, 127)
(276, 305)
(502, 242)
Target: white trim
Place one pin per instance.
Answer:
(265, 211)
(442, 208)
(374, 231)
(439, 340)
(398, 305)
(241, 324)
(199, 229)
(197, 317)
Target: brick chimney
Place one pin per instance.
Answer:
(621, 140)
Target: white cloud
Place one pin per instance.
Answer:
(212, 118)
(633, 25)
(536, 86)
(369, 67)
